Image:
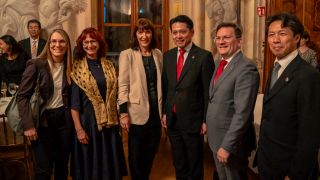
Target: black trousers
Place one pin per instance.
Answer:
(143, 144)
(52, 148)
(187, 151)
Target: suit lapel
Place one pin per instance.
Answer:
(172, 65)
(283, 80)
(40, 45)
(29, 47)
(216, 63)
(226, 71)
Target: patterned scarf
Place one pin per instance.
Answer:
(105, 112)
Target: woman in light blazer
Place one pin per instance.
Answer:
(140, 98)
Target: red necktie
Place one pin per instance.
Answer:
(222, 64)
(180, 62)
(179, 68)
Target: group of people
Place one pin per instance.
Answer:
(14, 55)
(183, 90)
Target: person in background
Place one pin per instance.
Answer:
(289, 132)
(187, 71)
(12, 60)
(140, 98)
(98, 151)
(51, 139)
(306, 52)
(232, 96)
(34, 44)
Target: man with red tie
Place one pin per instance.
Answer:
(187, 70)
(232, 95)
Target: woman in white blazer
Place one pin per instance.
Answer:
(140, 98)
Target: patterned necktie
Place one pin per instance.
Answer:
(220, 69)
(180, 62)
(34, 49)
(274, 76)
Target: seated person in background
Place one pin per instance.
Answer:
(34, 44)
(12, 60)
(306, 52)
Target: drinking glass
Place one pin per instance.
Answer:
(12, 88)
(3, 89)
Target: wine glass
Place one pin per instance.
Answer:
(12, 88)
(3, 89)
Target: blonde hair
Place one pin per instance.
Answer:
(46, 53)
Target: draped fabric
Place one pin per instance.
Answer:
(105, 109)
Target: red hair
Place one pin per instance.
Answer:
(94, 34)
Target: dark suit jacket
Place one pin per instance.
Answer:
(230, 108)
(25, 43)
(27, 86)
(190, 92)
(290, 126)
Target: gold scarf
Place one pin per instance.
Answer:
(105, 112)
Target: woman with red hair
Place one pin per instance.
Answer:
(98, 151)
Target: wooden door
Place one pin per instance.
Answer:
(308, 12)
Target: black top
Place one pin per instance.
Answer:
(11, 70)
(97, 72)
(151, 74)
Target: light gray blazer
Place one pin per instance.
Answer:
(230, 109)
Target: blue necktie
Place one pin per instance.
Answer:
(274, 76)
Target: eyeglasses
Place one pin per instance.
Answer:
(86, 43)
(223, 38)
(54, 42)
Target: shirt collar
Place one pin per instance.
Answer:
(187, 48)
(230, 58)
(287, 59)
(34, 40)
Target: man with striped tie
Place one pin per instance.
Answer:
(34, 44)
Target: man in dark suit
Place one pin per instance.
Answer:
(232, 96)
(290, 125)
(187, 70)
(34, 44)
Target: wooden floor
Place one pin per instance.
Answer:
(163, 168)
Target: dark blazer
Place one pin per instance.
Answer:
(230, 108)
(290, 126)
(190, 93)
(25, 44)
(26, 89)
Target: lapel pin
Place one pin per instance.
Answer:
(287, 79)
(193, 57)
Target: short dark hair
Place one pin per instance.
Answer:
(143, 24)
(305, 35)
(34, 21)
(288, 20)
(182, 19)
(14, 46)
(237, 28)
